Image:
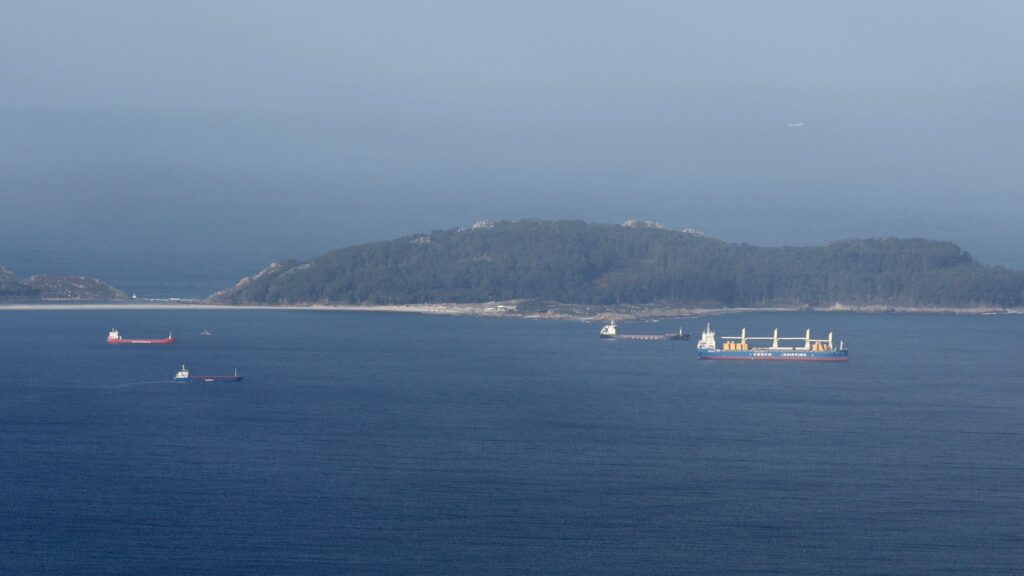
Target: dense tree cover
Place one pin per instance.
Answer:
(577, 262)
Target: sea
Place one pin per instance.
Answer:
(376, 443)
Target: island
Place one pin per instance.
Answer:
(51, 287)
(533, 266)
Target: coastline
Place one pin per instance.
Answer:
(502, 309)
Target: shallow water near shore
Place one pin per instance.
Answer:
(368, 443)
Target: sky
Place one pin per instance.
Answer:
(171, 147)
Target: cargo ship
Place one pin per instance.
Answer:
(115, 338)
(184, 375)
(610, 330)
(740, 348)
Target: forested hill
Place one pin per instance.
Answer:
(577, 262)
(53, 287)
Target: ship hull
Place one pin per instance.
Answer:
(217, 378)
(140, 341)
(675, 336)
(775, 355)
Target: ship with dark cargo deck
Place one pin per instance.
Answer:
(610, 330)
(114, 337)
(184, 375)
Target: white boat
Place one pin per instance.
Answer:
(608, 330)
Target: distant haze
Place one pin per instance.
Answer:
(171, 147)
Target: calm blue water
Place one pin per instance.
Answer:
(404, 444)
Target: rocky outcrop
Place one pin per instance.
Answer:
(56, 287)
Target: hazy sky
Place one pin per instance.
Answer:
(205, 139)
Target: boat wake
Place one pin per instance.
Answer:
(134, 384)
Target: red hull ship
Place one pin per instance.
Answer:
(115, 338)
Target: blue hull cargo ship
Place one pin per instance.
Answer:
(740, 348)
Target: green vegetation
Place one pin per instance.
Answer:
(577, 262)
(52, 287)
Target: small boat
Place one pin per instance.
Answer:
(114, 337)
(206, 333)
(610, 330)
(184, 375)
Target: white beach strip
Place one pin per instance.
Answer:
(493, 309)
(454, 309)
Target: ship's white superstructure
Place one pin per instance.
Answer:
(608, 330)
(707, 339)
